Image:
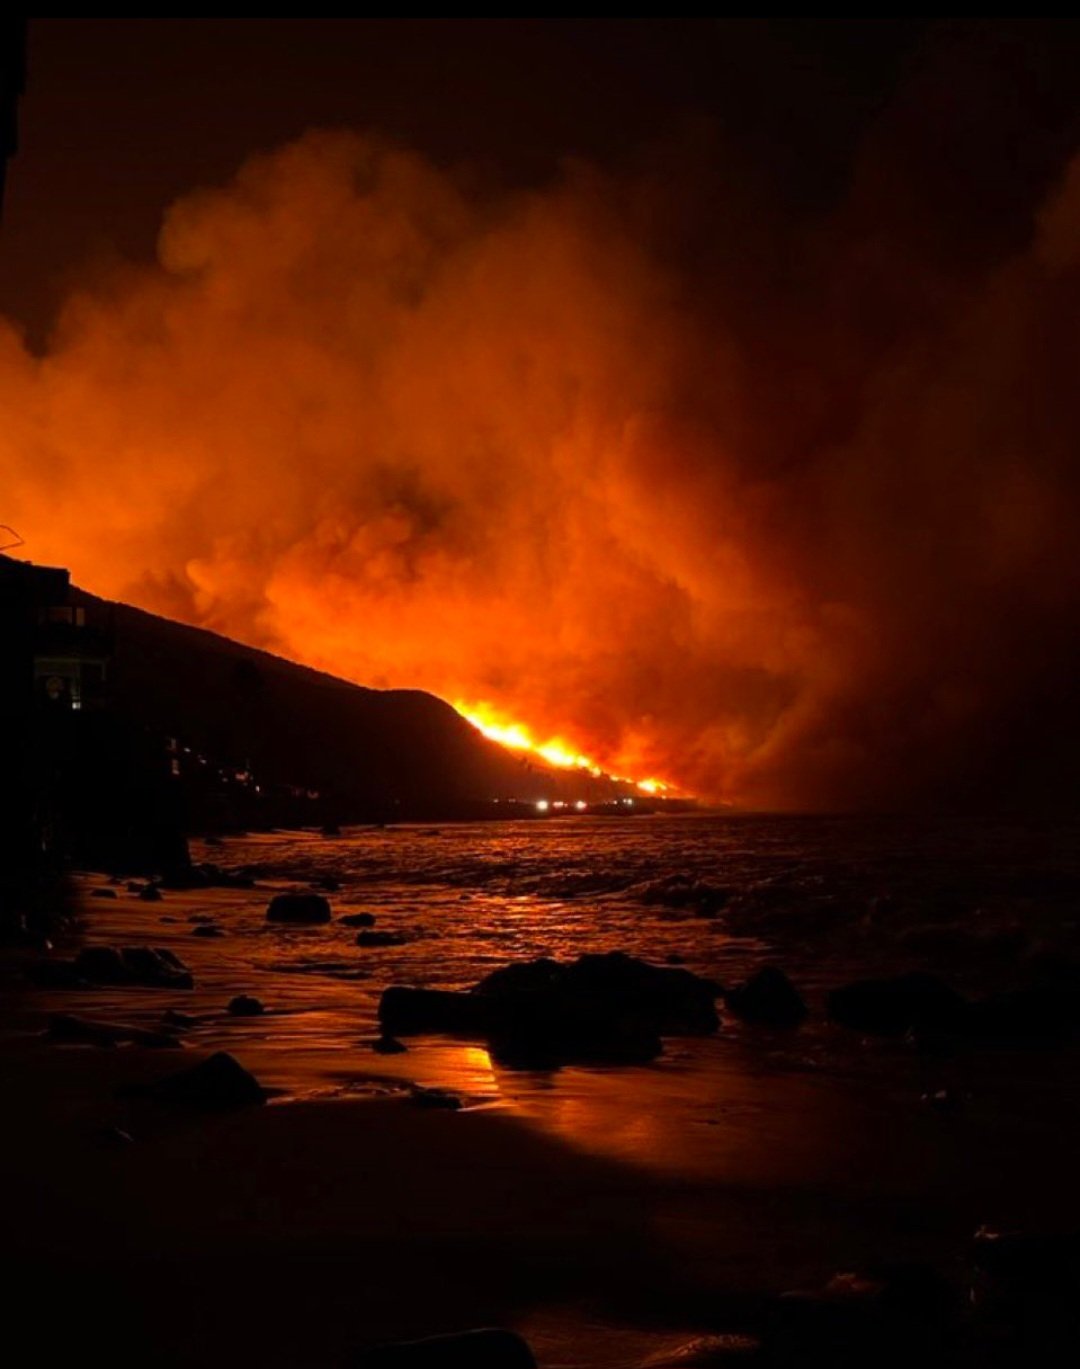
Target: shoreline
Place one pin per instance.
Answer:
(607, 1214)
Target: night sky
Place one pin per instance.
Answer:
(120, 116)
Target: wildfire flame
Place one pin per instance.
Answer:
(515, 735)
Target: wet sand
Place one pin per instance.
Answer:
(607, 1213)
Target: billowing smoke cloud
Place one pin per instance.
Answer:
(799, 546)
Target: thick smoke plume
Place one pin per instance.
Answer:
(783, 518)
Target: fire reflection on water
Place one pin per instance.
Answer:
(735, 1107)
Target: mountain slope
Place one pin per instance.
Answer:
(403, 750)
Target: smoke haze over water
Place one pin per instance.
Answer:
(784, 512)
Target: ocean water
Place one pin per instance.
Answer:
(750, 1159)
(826, 898)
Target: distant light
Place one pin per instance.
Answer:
(542, 806)
(629, 802)
(581, 805)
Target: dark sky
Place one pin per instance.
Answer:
(122, 116)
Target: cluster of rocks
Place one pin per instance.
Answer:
(544, 1013)
(308, 909)
(154, 967)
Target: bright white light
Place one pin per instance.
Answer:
(581, 805)
(542, 806)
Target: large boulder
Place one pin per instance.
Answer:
(216, 1084)
(768, 998)
(891, 1007)
(485, 1349)
(674, 1000)
(306, 909)
(543, 1013)
(545, 1031)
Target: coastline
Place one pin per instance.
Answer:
(592, 1210)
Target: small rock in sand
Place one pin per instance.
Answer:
(298, 908)
(175, 1018)
(243, 1005)
(357, 920)
(150, 894)
(102, 893)
(216, 1084)
(207, 930)
(768, 998)
(381, 939)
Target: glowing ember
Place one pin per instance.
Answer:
(518, 737)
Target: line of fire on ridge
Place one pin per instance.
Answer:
(517, 737)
